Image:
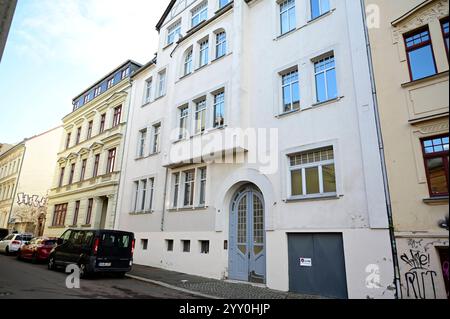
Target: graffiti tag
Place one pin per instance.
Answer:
(419, 279)
(31, 200)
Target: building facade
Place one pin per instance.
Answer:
(7, 8)
(10, 161)
(252, 153)
(35, 177)
(86, 177)
(410, 48)
(26, 175)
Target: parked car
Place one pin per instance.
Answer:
(14, 242)
(94, 251)
(3, 233)
(37, 249)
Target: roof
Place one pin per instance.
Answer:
(145, 66)
(165, 14)
(106, 76)
(411, 12)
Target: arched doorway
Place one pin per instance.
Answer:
(247, 253)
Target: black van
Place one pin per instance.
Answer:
(94, 251)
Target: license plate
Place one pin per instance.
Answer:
(104, 264)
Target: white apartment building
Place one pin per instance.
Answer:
(298, 203)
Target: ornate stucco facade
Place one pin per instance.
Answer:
(86, 178)
(413, 107)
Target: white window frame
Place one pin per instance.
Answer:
(202, 180)
(321, 13)
(148, 90)
(285, 7)
(142, 140)
(110, 83)
(203, 53)
(215, 104)
(172, 32)
(156, 138)
(325, 72)
(290, 84)
(176, 182)
(192, 185)
(221, 44)
(183, 117)
(162, 83)
(200, 111)
(303, 167)
(188, 62)
(200, 12)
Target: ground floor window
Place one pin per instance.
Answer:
(59, 215)
(436, 153)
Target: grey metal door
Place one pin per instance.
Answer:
(247, 258)
(317, 265)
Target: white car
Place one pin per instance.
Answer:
(14, 242)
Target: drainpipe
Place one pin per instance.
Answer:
(398, 291)
(164, 200)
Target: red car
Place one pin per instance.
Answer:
(37, 249)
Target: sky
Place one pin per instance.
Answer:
(58, 48)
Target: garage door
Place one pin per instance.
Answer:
(317, 265)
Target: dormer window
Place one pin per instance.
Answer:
(86, 98)
(110, 83)
(97, 91)
(199, 14)
(125, 73)
(173, 33)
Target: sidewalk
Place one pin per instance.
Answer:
(208, 288)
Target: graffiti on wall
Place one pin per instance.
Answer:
(31, 200)
(30, 213)
(420, 278)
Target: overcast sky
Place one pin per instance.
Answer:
(58, 48)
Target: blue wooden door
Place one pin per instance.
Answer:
(247, 259)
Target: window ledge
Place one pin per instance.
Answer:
(56, 227)
(438, 200)
(201, 67)
(186, 75)
(315, 197)
(159, 97)
(186, 209)
(144, 212)
(168, 45)
(336, 99)
(425, 79)
(86, 225)
(72, 226)
(323, 15)
(287, 113)
(220, 57)
(281, 36)
(146, 103)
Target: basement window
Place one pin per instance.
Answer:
(204, 246)
(144, 244)
(186, 244)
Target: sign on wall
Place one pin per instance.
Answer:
(305, 262)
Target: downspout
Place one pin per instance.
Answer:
(16, 186)
(164, 200)
(398, 291)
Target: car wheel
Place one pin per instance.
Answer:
(19, 256)
(7, 251)
(51, 265)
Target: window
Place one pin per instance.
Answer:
(204, 246)
(59, 215)
(144, 244)
(61, 177)
(223, 3)
(173, 32)
(219, 109)
(420, 54)
(169, 244)
(76, 212)
(202, 172)
(89, 132)
(204, 48)
(221, 44)
(78, 135)
(143, 196)
(110, 83)
(319, 7)
(111, 161)
(68, 140)
(142, 139)
(151, 185)
(125, 73)
(313, 173)
(291, 91)
(287, 16)
(161, 83)
(83, 169)
(148, 90)
(96, 163)
(200, 116)
(87, 98)
(102, 122)
(176, 189)
(188, 62)
(189, 188)
(325, 75)
(97, 91)
(186, 244)
(72, 172)
(445, 31)
(199, 14)
(89, 211)
(436, 153)
(156, 138)
(117, 115)
(184, 113)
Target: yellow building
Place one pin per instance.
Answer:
(410, 46)
(10, 161)
(87, 176)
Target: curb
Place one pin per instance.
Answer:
(163, 284)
